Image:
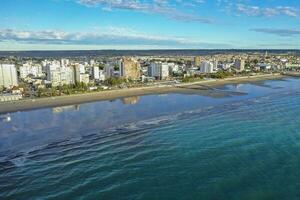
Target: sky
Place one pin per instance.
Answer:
(149, 24)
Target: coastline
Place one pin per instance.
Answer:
(31, 104)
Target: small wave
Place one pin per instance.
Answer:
(19, 162)
(95, 135)
(6, 165)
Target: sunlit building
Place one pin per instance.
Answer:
(197, 61)
(158, 70)
(8, 75)
(80, 75)
(96, 73)
(206, 67)
(239, 64)
(130, 69)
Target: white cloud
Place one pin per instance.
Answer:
(267, 12)
(278, 32)
(162, 7)
(242, 7)
(108, 36)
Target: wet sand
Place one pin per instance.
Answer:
(205, 87)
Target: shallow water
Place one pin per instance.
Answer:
(158, 147)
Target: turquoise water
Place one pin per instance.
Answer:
(158, 147)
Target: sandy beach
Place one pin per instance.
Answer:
(201, 88)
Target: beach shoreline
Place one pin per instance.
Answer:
(38, 103)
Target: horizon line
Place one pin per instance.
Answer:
(222, 49)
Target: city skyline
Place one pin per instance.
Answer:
(149, 24)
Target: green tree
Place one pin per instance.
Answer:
(116, 67)
(101, 66)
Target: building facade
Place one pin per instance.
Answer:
(28, 69)
(239, 64)
(130, 69)
(96, 73)
(8, 75)
(197, 61)
(53, 73)
(206, 67)
(158, 70)
(80, 75)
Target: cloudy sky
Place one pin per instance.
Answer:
(149, 24)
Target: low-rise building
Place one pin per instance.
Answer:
(10, 97)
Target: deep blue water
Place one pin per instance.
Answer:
(171, 146)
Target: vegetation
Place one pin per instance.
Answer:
(116, 67)
(218, 75)
(101, 66)
(193, 78)
(63, 90)
(221, 74)
(255, 61)
(113, 81)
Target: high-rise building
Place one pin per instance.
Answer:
(239, 64)
(28, 69)
(8, 75)
(80, 75)
(151, 70)
(108, 70)
(64, 62)
(158, 70)
(130, 68)
(53, 73)
(197, 61)
(60, 75)
(216, 62)
(67, 76)
(206, 67)
(96, 73)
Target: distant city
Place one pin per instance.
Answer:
(33, 77)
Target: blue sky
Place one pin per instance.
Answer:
(149, 24)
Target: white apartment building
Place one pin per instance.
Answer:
(8, 75)
(80, 75)
(60, 75)
(96, 73)
(101, 75)
(206, 67)
(158, 70)
(53, 73)
(67, 76)
(27, 69)
(64, 62)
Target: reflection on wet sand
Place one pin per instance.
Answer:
(65, 108)
(204, 90)
(23, 130)
(131, 100)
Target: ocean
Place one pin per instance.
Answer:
(245, 145)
